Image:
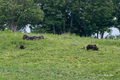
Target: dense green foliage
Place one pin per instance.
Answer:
(97, 17)
(56, 58)
(117, 12)
(18, 13)
(82, 17)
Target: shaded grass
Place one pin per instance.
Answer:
(55, 58)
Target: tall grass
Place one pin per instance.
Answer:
(56, 58)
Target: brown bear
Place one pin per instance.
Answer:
(38, 38)
(25, 36)
(42, 37)
(31, 38)
(94, 47)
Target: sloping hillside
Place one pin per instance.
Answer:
(58, 57)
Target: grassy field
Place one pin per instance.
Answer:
(56, 58)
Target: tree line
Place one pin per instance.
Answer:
(82, 17)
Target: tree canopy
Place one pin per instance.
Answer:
(18, 13)
(82, 17)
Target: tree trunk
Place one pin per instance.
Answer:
(102, 33)
(13, 27)
(64, 24)
(64, 16)
(53, 29)
(71, 22)
(97, 34)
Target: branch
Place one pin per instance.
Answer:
(117, 8)
(20, 17)
(23, 24)
(66, 3)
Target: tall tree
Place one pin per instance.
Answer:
(53, 16)
(75, 8)
(18, 13)
(97, 16)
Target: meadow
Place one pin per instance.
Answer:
(56, 58)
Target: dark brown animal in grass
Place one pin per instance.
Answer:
(38, 38)
(31, 38)
(94, 47)
(22, 47)
(25, 36)
(42, 37)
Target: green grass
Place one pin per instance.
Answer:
(55, 58)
